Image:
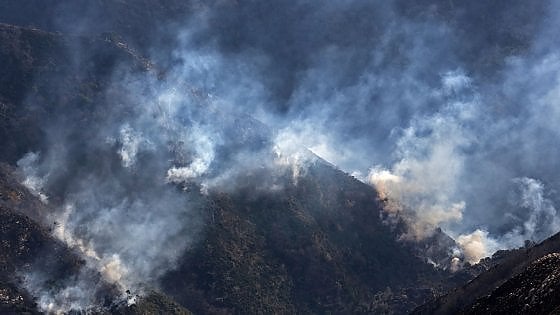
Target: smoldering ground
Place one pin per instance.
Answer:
(448, 108)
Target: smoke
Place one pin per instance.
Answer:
(540, 218)
(121, 172)
(130, 141)
(32, 180)
(429, 185)
(73, 296)
(538, 222)
(411, 89)
(454, 106)
(118, 207)
(203, 148)
(291, 152)
(129, 233)
(476, 245)
(421, 187)
(455, 168)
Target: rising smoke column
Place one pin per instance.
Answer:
(422, 186)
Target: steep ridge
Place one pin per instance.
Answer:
(25, 245)
(315, 246)
(318, 247)
(510, 264)
(276, 253)
(534, 291)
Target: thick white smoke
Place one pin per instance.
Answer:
(385, 92)
(444, 153)
(131, 142)
(203, 148)
(121, 209)
(290, 152)
(476, 245)
(422, 187)
(75, 295)
(31, 179)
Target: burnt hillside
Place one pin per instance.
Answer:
(318, 246)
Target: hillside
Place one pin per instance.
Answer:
(506, 268)
(536, 290)
(318, 246)
(26, 247)
(169, 157)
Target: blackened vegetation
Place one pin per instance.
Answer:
(316, 246)
(534, 291)
(29, 249)
(41, 78)
(22, 242)
(502, 270)
(313, 248)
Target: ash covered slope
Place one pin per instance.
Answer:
(315, 246)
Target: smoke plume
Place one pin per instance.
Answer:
(449, 108)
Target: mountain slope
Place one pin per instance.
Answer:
(534, 291)
(117, 161)
(25, 247)
(509, 265)
(318, 245)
